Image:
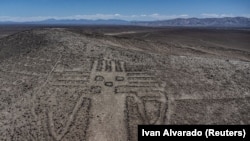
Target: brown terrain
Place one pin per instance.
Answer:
(99, 83)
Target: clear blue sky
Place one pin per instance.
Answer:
(121, 9)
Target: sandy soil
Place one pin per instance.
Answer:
(61, 84)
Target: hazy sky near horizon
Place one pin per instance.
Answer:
(33, 10)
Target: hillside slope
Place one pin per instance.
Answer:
(61, 84)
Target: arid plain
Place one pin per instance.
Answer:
(97, 83)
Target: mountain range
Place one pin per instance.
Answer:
(192, 22)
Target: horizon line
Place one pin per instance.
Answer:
(129, 18)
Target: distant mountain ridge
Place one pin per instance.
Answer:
(86, 22)
(210, 22)
(192, 22)
(73, 22)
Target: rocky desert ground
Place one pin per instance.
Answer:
(99, 83)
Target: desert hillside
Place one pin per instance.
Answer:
(98, 84)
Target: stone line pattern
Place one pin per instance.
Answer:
(145, 101)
